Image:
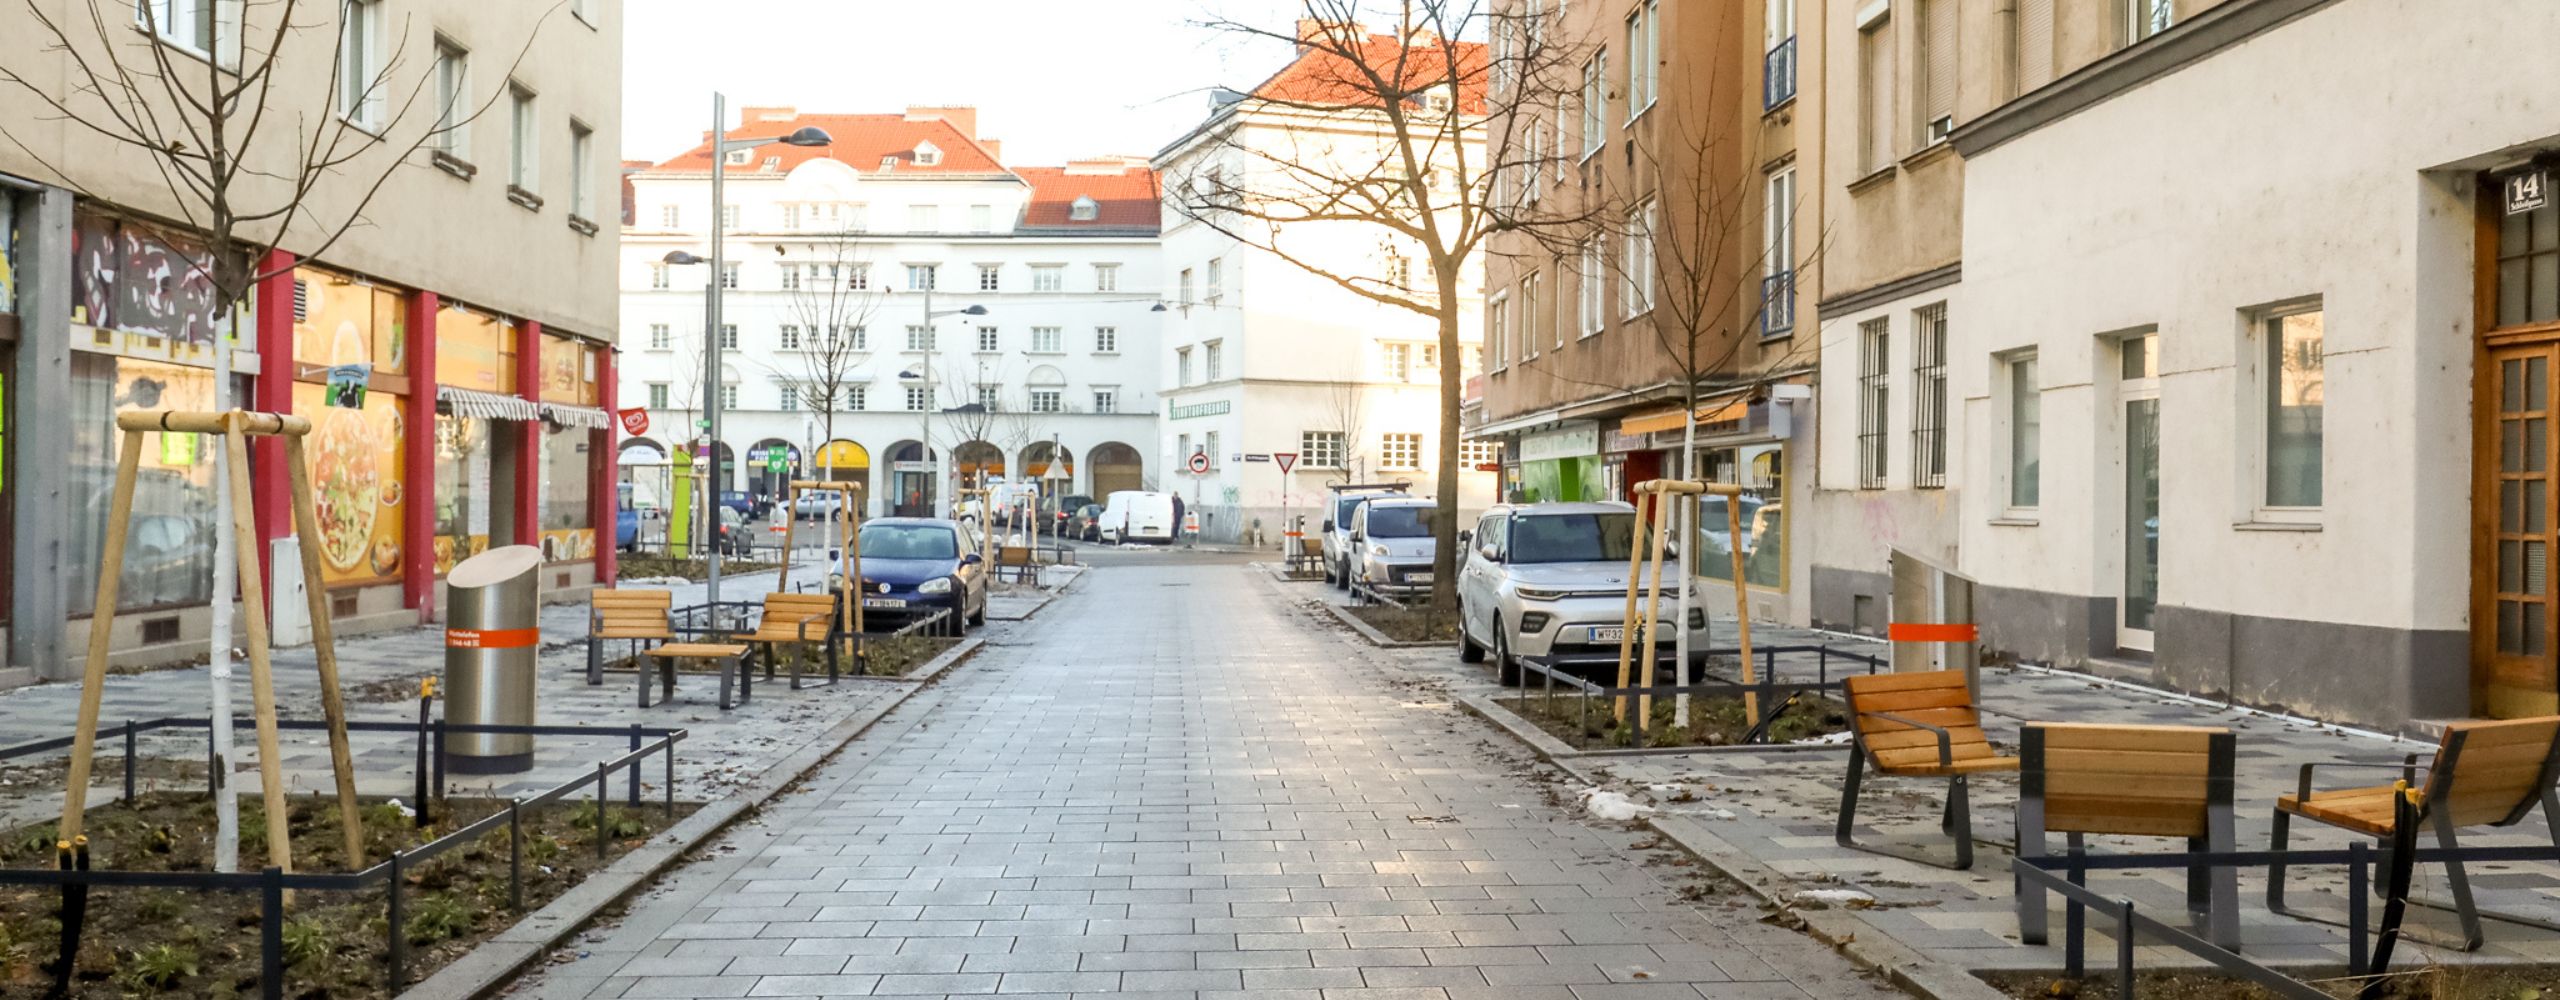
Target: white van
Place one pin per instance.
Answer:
(1137, 516)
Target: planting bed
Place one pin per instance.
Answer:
(1586, 723)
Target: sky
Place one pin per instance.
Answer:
(1053, 79)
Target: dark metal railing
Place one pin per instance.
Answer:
(1778, 75)
(1775, 695)
(1778, 303)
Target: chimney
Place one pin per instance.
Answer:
(751, 115)
(995, 149)
(1309, 31)
(961, 116)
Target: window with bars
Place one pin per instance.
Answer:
(1874, 341)
(1400, 451)
(1320, 449)
(1929, 397)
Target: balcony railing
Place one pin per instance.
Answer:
(1778, 75)
(1777, 303)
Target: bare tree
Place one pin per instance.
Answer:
(1411, 130)
(1346, 409)
(252, 158)
(832, 306)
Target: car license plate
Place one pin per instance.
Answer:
(1417, 578)
(1610, 633)
(883, 602)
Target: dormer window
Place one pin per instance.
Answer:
(773, 163)
(740, 157)
(927, 154)
(889, 162)
(1085, 209)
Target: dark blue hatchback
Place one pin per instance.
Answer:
(914, 566)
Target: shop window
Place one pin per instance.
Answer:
(568, 521)
(168, 560)
(1760, 470)
(462, 487)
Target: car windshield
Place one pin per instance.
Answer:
(1402, 521)
(908, 541)
(1557, 538)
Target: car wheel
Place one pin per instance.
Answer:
(979, 617)
(958, 623)
(1342, 576)
(1468, 651)
(1506, 671)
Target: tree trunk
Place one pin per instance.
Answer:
(1444, 531)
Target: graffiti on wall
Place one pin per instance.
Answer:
(140, 279)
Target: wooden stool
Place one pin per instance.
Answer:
(729, 657)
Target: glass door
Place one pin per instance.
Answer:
(2138, 391)
(2512, 615)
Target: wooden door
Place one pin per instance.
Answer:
(2512, 639)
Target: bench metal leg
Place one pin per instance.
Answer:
(746, 680)
(2278, 834)
(595, 661)
(1960, 820)
(2030, 894)
(1848, 797)
(2461, 882)
(799, 653)
(2220, 885)
(834, 672)
(727, 663)
(643, 674)
(1956, 820)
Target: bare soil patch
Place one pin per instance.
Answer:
(2436, 982)
(1588, 723)
(1408, 624)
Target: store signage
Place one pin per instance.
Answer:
(347, 384)
(912, 465)
(1571, 442)
(2528, 190)
(635, 421)
(1209, 409)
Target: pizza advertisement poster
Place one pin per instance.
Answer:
(357, 484)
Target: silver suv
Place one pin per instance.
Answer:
(1391, 544)
(1550, 579)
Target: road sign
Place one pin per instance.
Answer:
(1256, 457)
(1199, 463)
(1286, 459)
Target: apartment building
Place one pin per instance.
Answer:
(1680, 138)
(850, 350)
(475, 302)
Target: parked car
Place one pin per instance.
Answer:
(1063, 511)
(1138, 516)
(626, 529)
(745, 503)
(737, 537)
(1084, 524)
(913, 566)
(1550, 579)
(1335, 533)
(817, 505)
(1392, 545)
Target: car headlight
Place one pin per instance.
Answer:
(1534, 594)
(937, 585)
(1379, 551)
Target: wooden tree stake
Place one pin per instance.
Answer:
(324, 647)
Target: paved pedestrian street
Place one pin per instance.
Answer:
(1175, 783)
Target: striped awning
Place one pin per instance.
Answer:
(582, 417)
(486, 405)
(1670, 420)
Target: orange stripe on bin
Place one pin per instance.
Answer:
(491, 638)
(1930, 632)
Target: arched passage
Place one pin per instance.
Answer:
(771, 465)
(976, 463)
(911, 483)
(844, 461)
(1115, 467)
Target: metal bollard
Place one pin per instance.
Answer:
(635, 766)
(515, 855)
(271, 935)
(128, 762)
(426, 709)
(2124, 948)
(671, 777)
(2357, 891)
(603, 785)
(399, 923)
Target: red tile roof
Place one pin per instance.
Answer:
(1126, 198)
(861, 141)
(1325, 77)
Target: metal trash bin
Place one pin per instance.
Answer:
(492, 637)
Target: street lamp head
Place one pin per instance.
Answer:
(809, 135)
(681, 258)
(1157, 308)
(974, 311)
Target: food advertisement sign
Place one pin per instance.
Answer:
(568, 372)
(568, 545)
(357, 478)
(474, 351)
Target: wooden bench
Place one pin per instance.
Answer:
(789, 619)
(726, 657)
(1918, 725)
(2483, 774)
(639, 616)
(1016, 558)
(2138, 781)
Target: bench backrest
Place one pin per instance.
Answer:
(1938, 698)
(784, 606)
(631, 614)
(2152, 781)
(2492, 772)
(1013, 555)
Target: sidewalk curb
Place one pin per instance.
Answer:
(498, 961)
(932, 668)
(1862, 942)
(1375, 637)
(1554, 749)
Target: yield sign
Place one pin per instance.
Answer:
(1285, 459)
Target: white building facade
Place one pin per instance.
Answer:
(899, 287)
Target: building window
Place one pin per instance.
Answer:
(193, 25)
(1590, 285)
(1182, 366)
(657, 395)
(861, 338)
(1638, 290)
(1531, 317)
(1874, 340)
(520, 125)
(858, 277)
(1643, 55)
(1106, 277)
(1399, 272)
(2030, 46)
(1182, 290)
(1480, 453)
(1048, 278)
(1106, 399)
(453, 100)
(361, 81)
(2026, 432)
(1399, 357)
(729, 275)
(1320, 449)
(790, 278)
(1048, 340)
(1212, 359)
(787, 397)
(2291, 347)
(1929, 396)
(1046, 401)
(1595, 102)
(989, 341)
(1778, 65)
(1209, 447)
(988, 398)
(1937, 76)
(728, 336)
(920, 277)
(917, 400)
(2145, 18)
(924, 218)
(990, 278)
(658, 336)
(658, 277)
(982, 218)
(1778, 286)
(670, 216)
(1875, 95)
(1497, 337)
(790, 337)
(1084, 209)
(1400, 451)
(919, 338)
(1216, 281)
(1106, 340)
(581, 167)
(729, 396)
(857, 397)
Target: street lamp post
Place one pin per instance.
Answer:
(712, 404)
(932, 349)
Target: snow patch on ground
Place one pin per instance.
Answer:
(653, 581)
(1850, 898)
(1830, 739)
(1613, 806)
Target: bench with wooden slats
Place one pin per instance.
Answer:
(2079, 779)
(1016, 558)
(726, 657)
(2485, 773)
(1918, 725)
(794, 620)
(639, 617)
